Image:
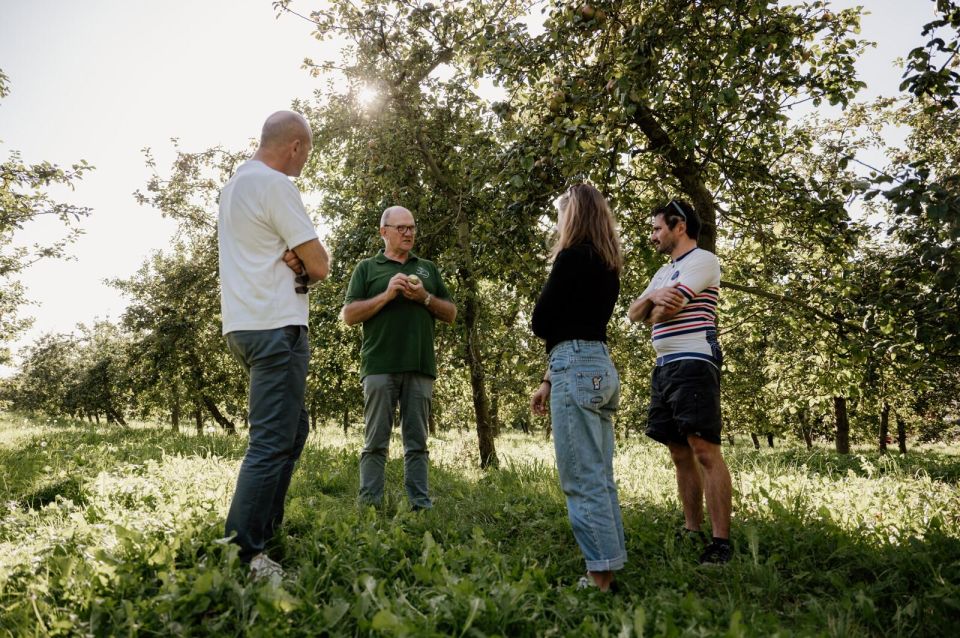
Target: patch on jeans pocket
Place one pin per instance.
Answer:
(592, 385)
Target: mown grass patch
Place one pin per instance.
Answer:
(118, 532)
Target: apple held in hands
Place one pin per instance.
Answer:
(413, 279)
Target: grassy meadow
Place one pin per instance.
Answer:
(112, 532)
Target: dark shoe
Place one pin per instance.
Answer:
(716, 554)
(697, 536)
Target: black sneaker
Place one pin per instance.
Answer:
(716, 554)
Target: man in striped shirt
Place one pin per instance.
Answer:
(681, 305)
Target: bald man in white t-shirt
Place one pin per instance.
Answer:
(269, 256)
(681, 305)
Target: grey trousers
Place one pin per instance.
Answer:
(381, 393)
(276, 362)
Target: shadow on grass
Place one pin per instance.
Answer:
(494, 556)
(791, 574)
(939, 466)
(57, 462)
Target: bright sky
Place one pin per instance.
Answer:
(99, 80)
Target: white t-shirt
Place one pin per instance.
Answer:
(692, 332)
(261, 216)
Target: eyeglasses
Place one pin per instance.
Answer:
(674, 203)
(403, 229)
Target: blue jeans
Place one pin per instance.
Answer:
(381, 393)
(585, 392)
(276, 364)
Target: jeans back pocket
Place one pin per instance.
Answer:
(597, 387)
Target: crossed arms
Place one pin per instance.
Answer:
(656, 306)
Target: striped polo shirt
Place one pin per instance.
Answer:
(692, 332)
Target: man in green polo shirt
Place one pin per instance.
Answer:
(397, 296)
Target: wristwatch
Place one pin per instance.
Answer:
(426, 300)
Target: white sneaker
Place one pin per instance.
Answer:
(262, 567)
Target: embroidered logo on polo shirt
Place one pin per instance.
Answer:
(676, 274)
(423, 272)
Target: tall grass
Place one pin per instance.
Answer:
(118, 532)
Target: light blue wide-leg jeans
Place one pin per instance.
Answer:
(585, 393)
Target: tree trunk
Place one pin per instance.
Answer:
(805, 429)
(495, 414)
(481, 405)
(884, 427)
(198, 417)
(730, 440)
(901, 434)
(313, 415)
(843, 425)
(115, 417)
(96, 415)
(221, 420)
(756, 441)
(175, 410)
(346, 419)
(432, 421)
(687, 171)
(770, 440)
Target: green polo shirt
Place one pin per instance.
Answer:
(399, 338)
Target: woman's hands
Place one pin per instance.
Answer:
(540, 401)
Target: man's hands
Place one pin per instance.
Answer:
(413, 291)
(670, 299)
(540, 401)
(656, 306)
(400, 284)
(293, 262)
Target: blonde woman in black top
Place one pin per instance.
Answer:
(581, 384)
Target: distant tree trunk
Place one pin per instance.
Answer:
(471, 311)
(115, 417)
(96, 415)
(313, 414)
(730, 439)
(221, 420)
(769, 440)
(432, 421)
(346, 419)
(548, 431)
(884, 427)
(843, 425)
(495, 414)
(175, 410)
(805, 430)
(198, 416)
(901, 434)
(756, 441)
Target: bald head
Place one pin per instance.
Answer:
(285, 143)
(393, 210)
(284, 127)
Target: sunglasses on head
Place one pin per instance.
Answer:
(674, 203)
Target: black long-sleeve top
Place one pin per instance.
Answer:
(578, 299)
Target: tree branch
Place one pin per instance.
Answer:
(759, 292)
